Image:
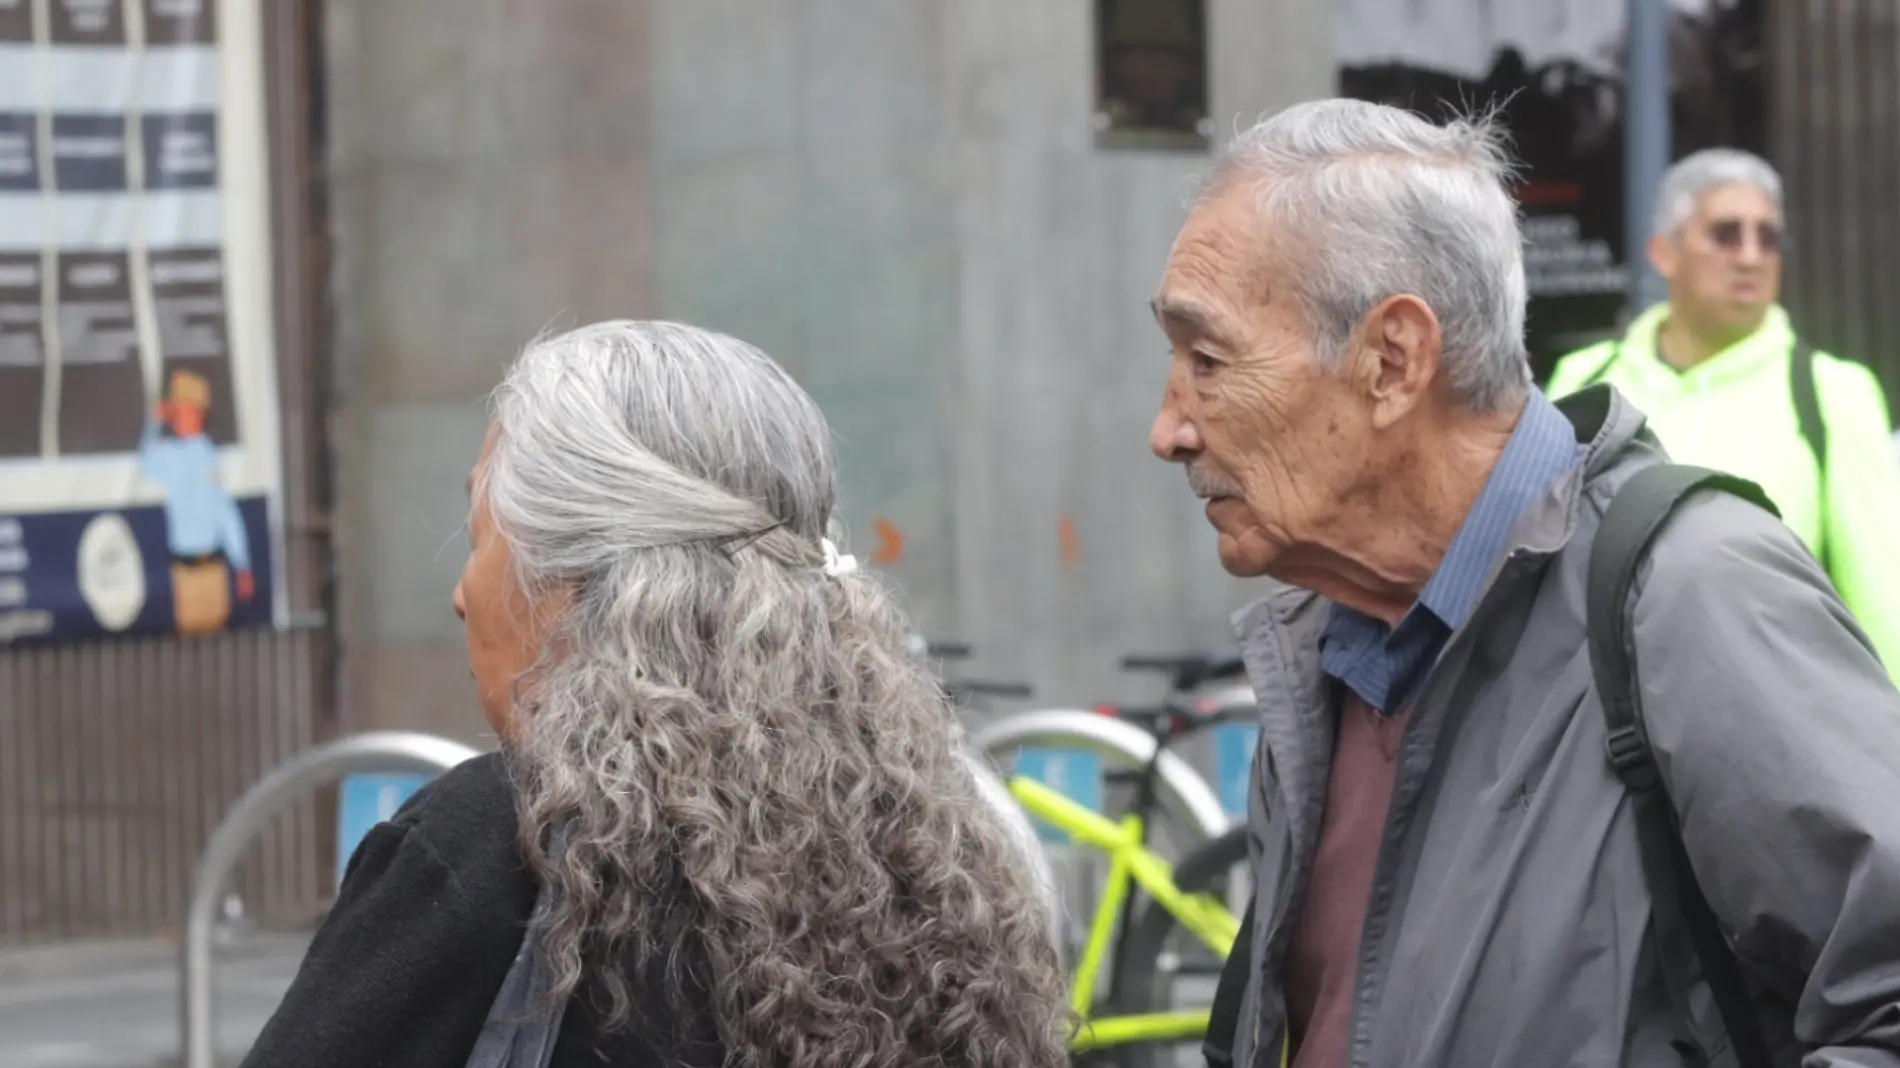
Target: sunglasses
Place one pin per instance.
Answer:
(1729, 234)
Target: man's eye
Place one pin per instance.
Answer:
(1203, 363)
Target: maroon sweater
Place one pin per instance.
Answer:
(1322, 959)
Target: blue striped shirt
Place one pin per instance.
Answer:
(1385, 665)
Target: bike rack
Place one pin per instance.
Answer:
(376, 751)
(1180, 790)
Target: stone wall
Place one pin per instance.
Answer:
(900, 201)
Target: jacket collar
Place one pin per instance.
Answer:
(1278, 634)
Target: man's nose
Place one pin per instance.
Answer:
(1174, 437)
(455, 600)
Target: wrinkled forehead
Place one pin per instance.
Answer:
(1735, 200)
(1219, 270)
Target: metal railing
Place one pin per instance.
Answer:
(378, 751)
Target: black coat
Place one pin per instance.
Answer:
(429, 917)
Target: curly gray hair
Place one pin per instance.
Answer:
(763, 795)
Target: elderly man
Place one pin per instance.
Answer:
(1726, 383)
(1449, 870)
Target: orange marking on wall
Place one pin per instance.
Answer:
(1066, 537)
(890, 542)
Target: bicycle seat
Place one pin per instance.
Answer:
(939, 650)
(961, 688)
(1154, 720)
(1177, 719)
(1188, 670)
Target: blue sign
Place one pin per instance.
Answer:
(19, 152)
(89, 153)
(1074, 773)
(1234, 745)
(181, 150)
(67, 575)
(363, 801)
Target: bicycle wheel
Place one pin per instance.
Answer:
(1188, 813)
(1163, 967)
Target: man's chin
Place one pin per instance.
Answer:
(1243, 559)
(1744, 316)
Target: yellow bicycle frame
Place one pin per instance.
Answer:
(1130, 864)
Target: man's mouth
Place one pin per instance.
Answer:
(1207, 488)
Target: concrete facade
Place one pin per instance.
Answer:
(899, 201)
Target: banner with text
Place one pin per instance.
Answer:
(139, 458)
(1556, 68)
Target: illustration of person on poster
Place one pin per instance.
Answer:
(204, 530)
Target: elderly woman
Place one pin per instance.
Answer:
(731, 804)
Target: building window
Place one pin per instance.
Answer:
(1151, 75)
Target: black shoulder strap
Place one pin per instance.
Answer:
(1807, 402)
(1807, 412)
(1616, 353)
(1634, 517)
(1223, 1023)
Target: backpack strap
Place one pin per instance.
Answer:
(1635, 515)
(1223, 1023)
(1807, 413)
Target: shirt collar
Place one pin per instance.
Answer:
(1541, 447)
(1773, 337)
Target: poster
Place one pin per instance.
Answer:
(139, 456)
(1556, 68)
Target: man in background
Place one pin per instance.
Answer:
(1727, 382)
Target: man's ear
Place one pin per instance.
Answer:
(1398, 357)
(1664, 255)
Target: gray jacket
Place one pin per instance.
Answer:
(1508, 925)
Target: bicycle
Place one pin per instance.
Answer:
(1159, 950)
(1128, 1019)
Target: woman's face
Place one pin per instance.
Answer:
(504, 631)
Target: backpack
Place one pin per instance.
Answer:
(1634, 517)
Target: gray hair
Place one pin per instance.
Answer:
(768, 815)
(1376, 202)
(1691, 176)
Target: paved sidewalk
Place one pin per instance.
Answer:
(115, 1004)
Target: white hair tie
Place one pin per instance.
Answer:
(836, 564)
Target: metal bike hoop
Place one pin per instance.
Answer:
(376, 751)
(1181, 791)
